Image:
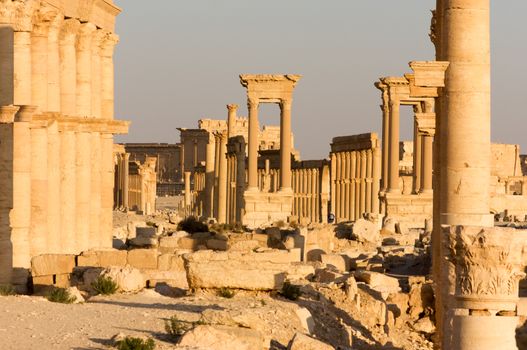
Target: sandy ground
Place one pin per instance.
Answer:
(35, 323)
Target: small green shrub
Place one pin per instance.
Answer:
(176, 327)
(192, 225)
(7, 289)
(61, 295)
(290, 291)
(105, 285)
(226, 293)
(131, 343)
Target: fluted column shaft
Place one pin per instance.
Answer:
(222, 180)
(393, 173)
(22, 68)
(96, 77)
(427, 161)
(107, 75)
(54, 181)
(84, 70)
(353, 194)
(68, 66)
(231, 120)
(96, 187)
(83, 191)
(285, 146)
(107, 185)
(253, 145)
(68, 193)
(209, 178)
(385, 140)
(53, 61)
(368, 180)
(39, 65)
(126, 180)
(376, 175)
(39, 190)
(418, 158)
(188, 198)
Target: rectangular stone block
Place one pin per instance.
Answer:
(43, 280)
(63, 281)
(340, 262)
(143, 258)
(52, 264)
(103, 258)
(177, 279)
(170, 262)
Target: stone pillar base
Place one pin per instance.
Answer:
(263, 209)
(484, 333)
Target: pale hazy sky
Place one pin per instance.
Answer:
(179, 61)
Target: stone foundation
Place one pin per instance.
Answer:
(266, 208)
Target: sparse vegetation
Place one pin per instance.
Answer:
(6, 290)
(290, 291)
(131, 343)
(192, 225)
(176, 327)
(61, 295)
(279, 224)
(105, 285)
(226, 293)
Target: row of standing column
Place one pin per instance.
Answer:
(306, 189)
(356, 183)
(423, 151)
(60, 65)
(285, 145)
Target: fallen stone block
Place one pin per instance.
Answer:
(222, 337)
(340, 262)
(52, 264)
(128, 279)
(143, 258)
(250, 271)
(366, 231)
(304, 342)
(378, 281)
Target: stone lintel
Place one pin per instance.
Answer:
(269, 88)
(355, 142)
(429, 73)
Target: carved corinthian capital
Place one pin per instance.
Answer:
(68, 31)
(487, 265)
(84, 37)
(108, 44)
(18, 13)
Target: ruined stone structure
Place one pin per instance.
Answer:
(418, 90)
(355, 176)
(121, 161)
(168, 164)
(142, 186)
(57, 126)
(269, 207)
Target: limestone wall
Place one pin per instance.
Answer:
(355, 176)
(57, 106)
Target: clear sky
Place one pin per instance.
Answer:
(179, 61)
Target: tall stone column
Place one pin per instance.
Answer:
(22, 68)
(231, 120)
(188, 197)
(465, 152)
(54, 103)
(353, 194)
(20, 216)
(253, 145)
(341, 187)
(84, 70)
(418, 157)
(222, 179)
(107, 75)
(393, 169)
(107, 185)
(376, 175)
(285, 146)
(96, 182)
(39, 65)
(7, 118)
(363, 165)
(68, 193)
(346, 165)
(39, 190)
(333, 184)
(126, 180)
(96, 75)
(54, 180)
(368, 179)
(83, 192)
(385, 107)
(358, 172)
(426, 183)
(68, 66)
(209, 178)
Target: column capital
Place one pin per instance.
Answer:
(286, 104)
(253, 102)
(232, 107)
(108, 44)
(19, 14)
(7, 114)
(69, 30)
(97, 40)
(84, 38)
